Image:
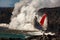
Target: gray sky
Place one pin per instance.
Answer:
(7, 3)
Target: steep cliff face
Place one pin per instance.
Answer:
(53, 18)
(5, 14)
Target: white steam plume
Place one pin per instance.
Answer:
(35, 3)
(25, 12)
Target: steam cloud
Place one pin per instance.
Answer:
(36, 3)
(25, 12)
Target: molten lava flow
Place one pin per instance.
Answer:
(43, 19)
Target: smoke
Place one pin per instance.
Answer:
(38, 4)
(25, 11)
